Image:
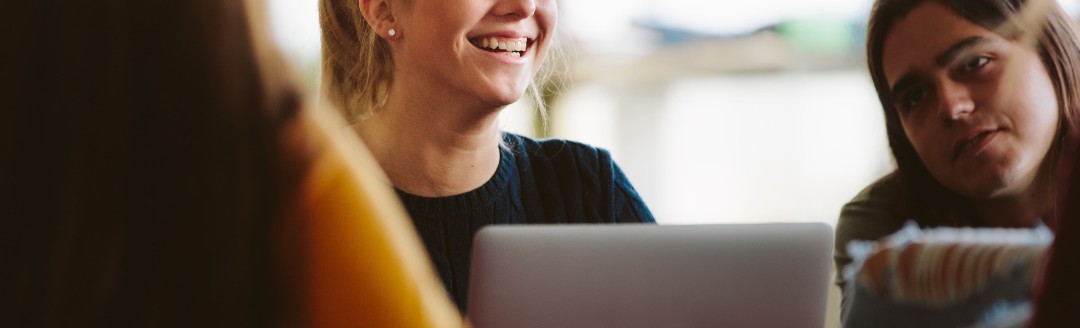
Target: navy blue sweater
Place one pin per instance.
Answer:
(537, 182)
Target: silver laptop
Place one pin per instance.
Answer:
(742, 275)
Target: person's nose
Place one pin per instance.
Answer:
(955, 101)
(518, 9)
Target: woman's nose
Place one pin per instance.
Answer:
(955, 101)
(518, 9)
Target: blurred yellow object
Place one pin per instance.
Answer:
(360, 263)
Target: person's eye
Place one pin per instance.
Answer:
(912, 98)
(976, 62)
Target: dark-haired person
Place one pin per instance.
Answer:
(159, 168)
(980, 105)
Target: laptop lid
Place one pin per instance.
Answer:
(744, 275)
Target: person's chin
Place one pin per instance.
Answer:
(502, 102)
(504, 98)
(986, 186)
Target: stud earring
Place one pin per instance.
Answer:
(391, 32)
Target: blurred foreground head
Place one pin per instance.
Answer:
(140, 166)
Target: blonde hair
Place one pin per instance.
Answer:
(357, 67)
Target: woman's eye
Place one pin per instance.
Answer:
(975, 63)
(913, 98)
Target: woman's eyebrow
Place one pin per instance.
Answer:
(949, 55)
(941, 60)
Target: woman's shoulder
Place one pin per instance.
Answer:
(874, 212)
(554, 149)
(576, 173)
(885, 191)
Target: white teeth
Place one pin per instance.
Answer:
(514, 54)
(511, 45)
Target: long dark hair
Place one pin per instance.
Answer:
(1055, 304)
(924, 197)
(141, 166)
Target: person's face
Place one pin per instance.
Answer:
(979, 109)
(487, 49)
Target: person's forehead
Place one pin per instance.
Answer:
(916, 39)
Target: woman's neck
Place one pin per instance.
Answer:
(1014, 211)
(433, 150)
(1023, 207)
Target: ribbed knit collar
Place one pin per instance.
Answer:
(461, 203)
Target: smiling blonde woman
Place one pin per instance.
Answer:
(423, 83)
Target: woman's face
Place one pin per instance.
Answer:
(487, 49)
(979, 109)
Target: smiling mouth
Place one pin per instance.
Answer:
(513, 47)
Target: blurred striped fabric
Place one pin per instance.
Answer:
(944, 277)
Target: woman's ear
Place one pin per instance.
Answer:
(380, 18)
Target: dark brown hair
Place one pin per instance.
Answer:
(1058, 289)
(1056, 43)
(141, 165)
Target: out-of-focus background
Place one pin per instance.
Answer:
(718, 111)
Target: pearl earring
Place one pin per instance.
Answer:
(391, 32)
